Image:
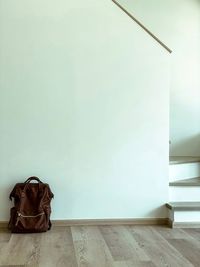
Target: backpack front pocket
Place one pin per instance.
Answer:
(31, 223)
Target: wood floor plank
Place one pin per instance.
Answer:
(134, 264)
(141, 264)
(178, 233)
(185, 241)
(4, 239)
(168, 233)
(120, 264)
(102, 246)
(5, 235)
(195, 233)
(20, 250)
(122, 245)
(57, 249)
(188, 249)
(160, 251)
(90, 247)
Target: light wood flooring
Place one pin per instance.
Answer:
(102, 246)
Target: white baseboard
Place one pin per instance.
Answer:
(134, 221)
(3, 224)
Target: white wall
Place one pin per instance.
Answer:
(84, 106)
(177, 23)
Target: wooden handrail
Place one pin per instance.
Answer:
(142, 26)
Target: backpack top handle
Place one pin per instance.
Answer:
(33, 178)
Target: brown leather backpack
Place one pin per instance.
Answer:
(31, 211)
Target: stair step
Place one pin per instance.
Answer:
(184, 214)
(183, 159)
(186, 206)
(186, 182)
(184, 192)
(184, 171)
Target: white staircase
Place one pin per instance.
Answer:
(184, 192)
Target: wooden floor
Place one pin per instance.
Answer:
(102, 246)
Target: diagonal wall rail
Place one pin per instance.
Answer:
(142, 26)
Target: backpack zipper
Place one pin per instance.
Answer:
(27, 216)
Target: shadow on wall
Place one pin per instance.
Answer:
(186, 147)
(160, 212)
(4, 198)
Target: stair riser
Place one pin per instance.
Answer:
(184, 193)
(184, 171)
(184, 216)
